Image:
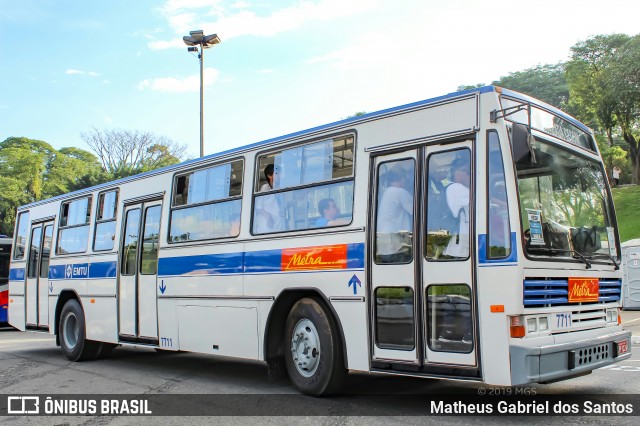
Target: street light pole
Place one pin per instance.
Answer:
(194, 39)
(201, 57)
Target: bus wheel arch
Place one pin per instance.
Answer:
(70, 329)
(277, 343)
(63, 298)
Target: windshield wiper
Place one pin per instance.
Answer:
(616, 265)
(576, 254)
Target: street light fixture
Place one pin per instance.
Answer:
(194, 39)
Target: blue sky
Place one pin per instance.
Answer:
(69, 65)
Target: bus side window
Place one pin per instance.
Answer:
(498, 229)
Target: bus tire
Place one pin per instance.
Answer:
(313, 349)
(73, 341)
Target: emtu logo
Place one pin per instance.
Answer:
(69, 271)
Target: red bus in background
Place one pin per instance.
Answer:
(5, 258)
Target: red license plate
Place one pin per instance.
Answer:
(623, 347)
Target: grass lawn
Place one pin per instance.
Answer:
(627, 202)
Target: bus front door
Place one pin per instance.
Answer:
(137, 287)
(37, 292)
(422, 305)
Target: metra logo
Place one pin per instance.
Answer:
(314, 258)
(583, 289)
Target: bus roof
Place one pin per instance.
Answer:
(356, 119)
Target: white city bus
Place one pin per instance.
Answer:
(470, 237)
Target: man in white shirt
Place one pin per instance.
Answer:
(394, 220)
(458, 202)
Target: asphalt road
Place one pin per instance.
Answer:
(30, 363)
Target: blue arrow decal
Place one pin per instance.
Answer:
(50, 287)
(355, 282)
(162, 287)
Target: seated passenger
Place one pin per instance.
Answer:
(269, 216)
(328, 213)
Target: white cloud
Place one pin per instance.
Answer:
(72, 71)
(182, 18)
(174, 5)
(179, 85)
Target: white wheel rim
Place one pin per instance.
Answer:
(71, 330)
(305, 348)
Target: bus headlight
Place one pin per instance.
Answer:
(612, 315)
(543, 323)
(532, 325)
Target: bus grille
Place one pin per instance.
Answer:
(591, 355)
(541, 293)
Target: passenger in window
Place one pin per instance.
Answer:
(328, 214)
(395, 218)
(269, 215)
(458, 202)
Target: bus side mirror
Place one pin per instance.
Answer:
(521, 144)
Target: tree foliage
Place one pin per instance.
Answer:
(127, 152)
(544, 82)
(31, 170)
(604, 77)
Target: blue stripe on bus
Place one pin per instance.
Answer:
(206, 264)
(4, 314)
(16, 274)
(103, 270)
(75, 271)
(483, 253)
(263, 261)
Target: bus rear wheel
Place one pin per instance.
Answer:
(313, 350)
(73, 341)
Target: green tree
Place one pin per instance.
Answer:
(544, 82)
(469, 87)
(625, 73)
(592, 94)
(604, 81)
(31, 170)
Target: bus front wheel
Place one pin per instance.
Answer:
(313, 350)
(73, 341)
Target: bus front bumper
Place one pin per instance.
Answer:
(531, 363)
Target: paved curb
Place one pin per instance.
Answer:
(635, 340)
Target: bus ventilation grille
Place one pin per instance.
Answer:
(539, 293)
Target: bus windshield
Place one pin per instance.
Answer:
(564, 205)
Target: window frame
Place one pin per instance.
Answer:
(172, 207)
(472, 201)
(24, 214)
(510, 249)
(87, 224)
(379, 194)
(100, 221)
(258, 172)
